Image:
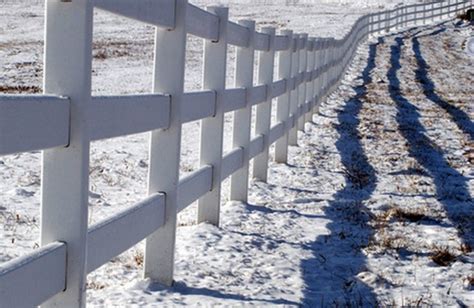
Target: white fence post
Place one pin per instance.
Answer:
(283, 103)
(212, 129)
(65, 171)
(317, 81)
(310, 83)
(170, 50)
(244, 65)
(293, 134)
(266, 66)
(424, 13)
(302, 86)
(432, 12)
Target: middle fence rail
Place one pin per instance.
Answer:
(64, 121)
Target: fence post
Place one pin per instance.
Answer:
(313, 80)
(244, 64)
(283, 102)
(212, 129)
(266, 66)
(302, 86)
(317, 67)
(309, 84)
(170, 50)
(405, 18)
(432, 11)
(327, 60)
(65, 171)
(415, 23)
(424, 13)
(295, 60)
(323, 62)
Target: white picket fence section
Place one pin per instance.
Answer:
(64, 121)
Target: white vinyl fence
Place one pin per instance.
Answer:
(67, 118)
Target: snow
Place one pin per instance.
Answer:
(333, 227)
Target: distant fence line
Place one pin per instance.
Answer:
(64, 121)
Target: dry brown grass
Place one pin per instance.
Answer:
(95, 285)
(19, 89)
(138, 258)
(464, 16)
(443, 257)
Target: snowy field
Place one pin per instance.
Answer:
(374, 207)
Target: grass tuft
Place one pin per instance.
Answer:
(443, 257)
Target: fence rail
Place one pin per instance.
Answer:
(64, 121)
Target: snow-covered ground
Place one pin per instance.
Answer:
(382, 181)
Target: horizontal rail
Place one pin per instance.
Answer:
(276, 132)
(232, 162)
(198, 105)
(193, 186)
(35, 122)
(32, 279)
(262, 41)
(158, 13)
(234, 99)
(115, 116)
(256, 146)
(113, 236)
(238, 35)
(201, 23)
(282, 42)
(257, 95)
(278, 88)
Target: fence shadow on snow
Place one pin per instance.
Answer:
(348, 215)
(451, 186)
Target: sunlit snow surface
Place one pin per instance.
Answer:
(325, 230)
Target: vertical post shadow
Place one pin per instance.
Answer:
(451, 186)
(330, 276)
(458, 116)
